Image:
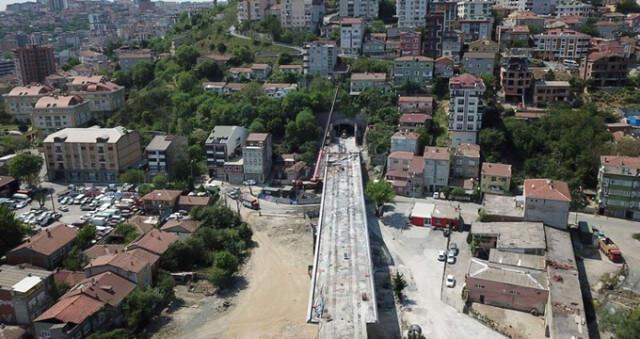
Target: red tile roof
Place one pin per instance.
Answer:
(156, 241)
(466, 80)
(104, 249)
(129, 261)
(496, 169)
(417, 164)
(68, 278)
(468, 150)
(107, 287)
(162, 195)
(58, 101)
(436, 153)
(401, 155)
(620, 161)
(547, 189)
(369, 76)
(49, 240)
(405, 135)
(350, 21)
(414, 58)
(258, 137)
(426, 99)
(414, 118)
(74, 310)
(189, 225)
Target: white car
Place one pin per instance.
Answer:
(442, 256)
(21, 204)
(451, 281)
(63, 208)
(436, 195)
(451, 259)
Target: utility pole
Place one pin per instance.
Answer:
(53, 205)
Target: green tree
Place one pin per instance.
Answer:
(377, 26)
(187, 56)
(160, 181)
(71, 63)
(75, 260)
(186, 81)
(630, 326)
(399, 284)
(381, 192)
(26, 167)
(85, 236)
(628, 6)
(388, 11)
(12, 230)
(127, 231)
(139, 307)
(132, 176)
(143, 189)
(209, 70)
(491, 143)
(115, 334)
(142, 73)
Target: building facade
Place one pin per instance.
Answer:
(320, 58)
(465, 108)
(478, 63)
(411, 13)
(53, 113)
(474, 9)
(547, 201)
(103, 96)
(363, 81)
(550, 92)
(33, 63)
(351, 36)
(25, 293)
(619, 186)
(416, 69)
(561, 44)
(495, 178)
(223, 144)
(436, 168)
(91, 154)
(605, 69)
(21, 100)
(466, 161)
(365, 9)
(404, 141)
(164, 152)
(257, 154)
(515, 77)
(301, 14)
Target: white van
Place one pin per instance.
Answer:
(569, 63)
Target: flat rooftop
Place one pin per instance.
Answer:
(531, 261)
(504, 206)
(512, 235)
(481, 269)
(342, 296)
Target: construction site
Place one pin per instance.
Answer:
(342, 297)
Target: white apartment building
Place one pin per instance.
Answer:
(257, 154)
(21, 100)
(474, 9)
(301, 14)
(365, 9)
(519, 5)
(53, 113)
(436, 168)
(103, 96)
(411, 13)
(320, 58)
(351, 36)
(573, 8)
(547, 201)
(560, 44)
(249, 10)
(465, 109)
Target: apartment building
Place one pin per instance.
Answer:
(365, 9)
(415, 104)
(223, 144)
(474, 9)
(574, 8)
(476, 29)
(465, 108)
(164, 152)
(21, 100)
(33, 63)
(416, 69)
(550, 92)
(513, 36)
(561, 44)
(301, 14)
(404, 141)
(466, 161)
(52, 113)
(25, 292)
(547, 201)
(433, 34)
(479, 63)
(320, 58)
(364, 81)
(7, 66)
(405, 171)
(91, 154)
(619, 186)
(607, 68)
(253, 10)
(495, 178)
(257, 154)
(444, 67)
(351, 36)
(410, 43)
(515, 77)
(453, 44)
(413, 121)
(104, 97)
(46, 249)
(411, 13)
(436, 168)
(518, 5)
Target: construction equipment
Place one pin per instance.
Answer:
(610, 249)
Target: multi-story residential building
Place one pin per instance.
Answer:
(410, 43)
(250, 10)
(619, 186)
(515, 77)
(436, 168)
(103, 96)
(453, 44)
(550, 92)
(444, 67)
(52, 113)
(278, 90)
(479, 63)
(365, 9)
(21, 100)
(320, 58)
(474, 9)
(433, 32)
(414, 121)
(406, 173)
(476, 29)
(573, 8)
(525, 18)
(301, 14)
(25, 293)
(415, 104)
(223, 144)
(46, 249)
(495, 178)
(411, 13)
(164, 152)
(466, 161)
(510, 36)
(7, 66)
(605, 68)
(260, 72)
(127, 58)
(351, 36)
(404, 141)
(465, 108)
(560, 44)
(33, 63)
(363, 81)
(547, 201)
(544, 7)
(375, 46)
(416, 69)
(91, 154)
(484, 46)
(257, 154)
(133, 265)
(518, 5)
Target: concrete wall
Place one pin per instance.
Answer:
(552, 213)
(505, 295)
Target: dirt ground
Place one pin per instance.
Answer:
(273, 303)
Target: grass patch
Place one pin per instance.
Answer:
(441, 120)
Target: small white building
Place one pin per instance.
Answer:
(547, 201)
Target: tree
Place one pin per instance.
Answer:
(11, 229)
(75, 260)
(388, 11)
(26, 167)
(85, 236)
(71, 63)
(377, 26)
(132, 176)
(285, 59)
(187, 56)
(491, 143)
(139, 307)
(399, 284)
(115, 334)
(128, 233)
(186, 81)
(142, 73)
(630, 326)
(221, 47)
(628, 6)
(160, 181)
(209, 70)
(144, 189)
(381, 192)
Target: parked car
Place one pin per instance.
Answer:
(454, 247)
(451, 281)
(451, 259)
(63, 208)
(21, 204)
(442, 256)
